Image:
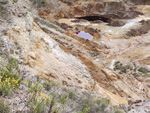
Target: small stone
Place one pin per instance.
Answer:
(32, 55)
(106, 52)
(4, 1)
(107, 46)
(31, 63)
(22, 87)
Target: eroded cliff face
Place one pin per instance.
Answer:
(54, 52)
(44, 55)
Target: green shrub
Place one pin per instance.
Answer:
(4, 108)
(85, 108)
(143, 70)
(64, 98)
(118, 65)
(7, 85)
(3, 10)
(9, 77)
(38, 102)
(43, 2)
(15, 1)
(136, 74)
(12, 64)
(35, 87)
(37, 99)
(117, 110)
(89, 104)
(93, 53)
(122, 69)
(55, 84)
(72, 95)
(47, 85)
(129, 67)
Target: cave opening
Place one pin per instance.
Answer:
(94, 18)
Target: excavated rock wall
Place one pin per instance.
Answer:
(109, 9)
(90, 8)
(140, 2)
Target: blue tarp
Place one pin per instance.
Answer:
(84, 35)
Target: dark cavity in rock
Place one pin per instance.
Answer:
(94, 18)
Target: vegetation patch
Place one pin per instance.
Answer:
(93, 53)
(49, 97)
(39, 3)
(45, 96)
(15, 1)
(38, 102)
(135, 71)
(122, 69)
(9, 77)
(143, 70)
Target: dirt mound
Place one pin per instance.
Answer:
(116, 23)
(142, 30)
